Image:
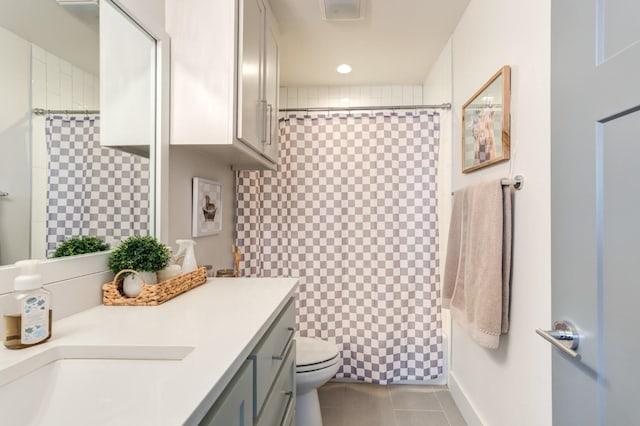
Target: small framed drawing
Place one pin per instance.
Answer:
(486, 123)
(207, 207)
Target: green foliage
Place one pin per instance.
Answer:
(80, 245)
(142, 254)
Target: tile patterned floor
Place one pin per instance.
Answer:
(355, 404)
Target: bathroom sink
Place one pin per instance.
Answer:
(91, 390)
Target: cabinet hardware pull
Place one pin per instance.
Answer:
(288, 410)
(269, 139)
(281, 356)
(263, 105)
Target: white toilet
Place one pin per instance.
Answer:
(317, 361)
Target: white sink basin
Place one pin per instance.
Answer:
(77, 391)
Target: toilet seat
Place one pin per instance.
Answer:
(315, 354)
(317, 361)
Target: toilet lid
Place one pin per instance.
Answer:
(314, 354)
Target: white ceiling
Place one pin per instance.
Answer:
(396, 43)
(53, 28)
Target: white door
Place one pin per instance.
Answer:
(595, 207)
(15, 148)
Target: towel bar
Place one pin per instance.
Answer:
(517, 182)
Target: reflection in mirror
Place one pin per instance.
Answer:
(60, 179)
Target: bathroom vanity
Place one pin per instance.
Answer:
(220, 354)
(263, 390)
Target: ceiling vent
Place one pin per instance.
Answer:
(342, 10)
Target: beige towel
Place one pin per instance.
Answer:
(478, 265)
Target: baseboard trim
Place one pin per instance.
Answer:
(466, 408)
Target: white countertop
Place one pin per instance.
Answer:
(222, 320)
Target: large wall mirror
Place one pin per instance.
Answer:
(82, 124)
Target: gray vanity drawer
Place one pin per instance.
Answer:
(235, 406)
(270, 353)
(279, 408)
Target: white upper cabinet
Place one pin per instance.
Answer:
(223, 84)
(127, 84)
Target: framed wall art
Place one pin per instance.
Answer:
(486, 136)
(207, 207)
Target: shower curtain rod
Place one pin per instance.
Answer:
(367, 108)
(41, 111)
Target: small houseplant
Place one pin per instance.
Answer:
(145, 255)
(80, 245)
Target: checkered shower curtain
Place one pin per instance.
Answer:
(92, 190)
(351, 211)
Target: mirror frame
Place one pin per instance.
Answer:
(61, 269)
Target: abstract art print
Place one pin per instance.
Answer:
(207, 207)
(486, 122)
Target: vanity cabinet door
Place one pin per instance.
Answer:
(270, 354)
(279, 407)
(250, 113)
(235, 406)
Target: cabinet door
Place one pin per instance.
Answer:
(235, 406)
(268, 356)
(279, 407)
(271, 79)
(127, 83)
(250, 108)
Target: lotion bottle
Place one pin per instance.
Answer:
(27, 321)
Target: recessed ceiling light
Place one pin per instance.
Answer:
(344, 69)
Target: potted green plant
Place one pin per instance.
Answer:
(80, 245)
(145, 255)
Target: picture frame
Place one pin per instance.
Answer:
(207, 207)
(486, 122)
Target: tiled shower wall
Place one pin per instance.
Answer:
(56, 84)
(346, 96)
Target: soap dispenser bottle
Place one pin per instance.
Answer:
(27, 321)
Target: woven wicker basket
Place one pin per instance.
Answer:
(151, 294)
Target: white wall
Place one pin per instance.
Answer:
(151, 10)
(187, 163)
(511, 385)
(346, 96)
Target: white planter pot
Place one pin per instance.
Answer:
(132, 285)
